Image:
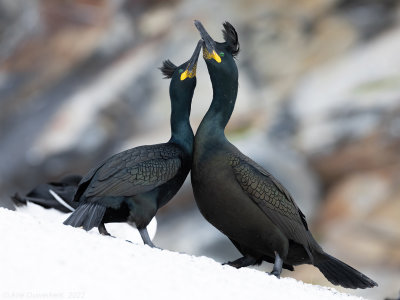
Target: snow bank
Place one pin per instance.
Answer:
(120, 230)
(40, 259)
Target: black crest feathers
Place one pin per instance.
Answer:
(231, 38)
(168, 68)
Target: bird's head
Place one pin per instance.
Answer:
(183, 80)
(219, 57)
(184, 75)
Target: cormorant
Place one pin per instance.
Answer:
(240, 198)
(58, 195)
(132, 185)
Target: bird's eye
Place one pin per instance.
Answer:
(180, 70)
(221, 54)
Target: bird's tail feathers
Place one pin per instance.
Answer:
(339, 273)
(87, 215)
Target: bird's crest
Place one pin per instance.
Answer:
(231, 38)
(168, 68)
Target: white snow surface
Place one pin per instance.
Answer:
(43, 259)
(120, 230)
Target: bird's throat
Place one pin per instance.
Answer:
(220, 111)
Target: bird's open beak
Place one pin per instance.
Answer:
(209, 48)
(190, 70)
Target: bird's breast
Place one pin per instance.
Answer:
(225, 205)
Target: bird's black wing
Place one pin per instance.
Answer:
(85, 181)
(271, 197)
(135, 171)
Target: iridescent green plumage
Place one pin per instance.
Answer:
(243, 200)
(132, 185)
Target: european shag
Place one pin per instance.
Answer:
(58, 195)
(240, 198)
(132, 185)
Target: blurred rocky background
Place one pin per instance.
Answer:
(318, 106)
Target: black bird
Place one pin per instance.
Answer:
(240, 198)
(58, 195)
(132, 185)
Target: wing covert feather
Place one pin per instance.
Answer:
(270, 196)
(135, 171)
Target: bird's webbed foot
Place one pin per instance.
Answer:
(277, 269)
(241, 262)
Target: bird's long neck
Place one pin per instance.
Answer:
(221, 108)
(181, 131)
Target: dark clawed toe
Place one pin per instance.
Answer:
(128, 241)
(275, 273)
(232, 264)
(107, 234)
(241, 262)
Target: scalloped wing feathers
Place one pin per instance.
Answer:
(133, 171)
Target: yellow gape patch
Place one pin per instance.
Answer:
(208, 55)
(189, 74)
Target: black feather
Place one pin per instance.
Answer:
(342, 274)
(231, 38)
(87, 215)
(168, 68)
